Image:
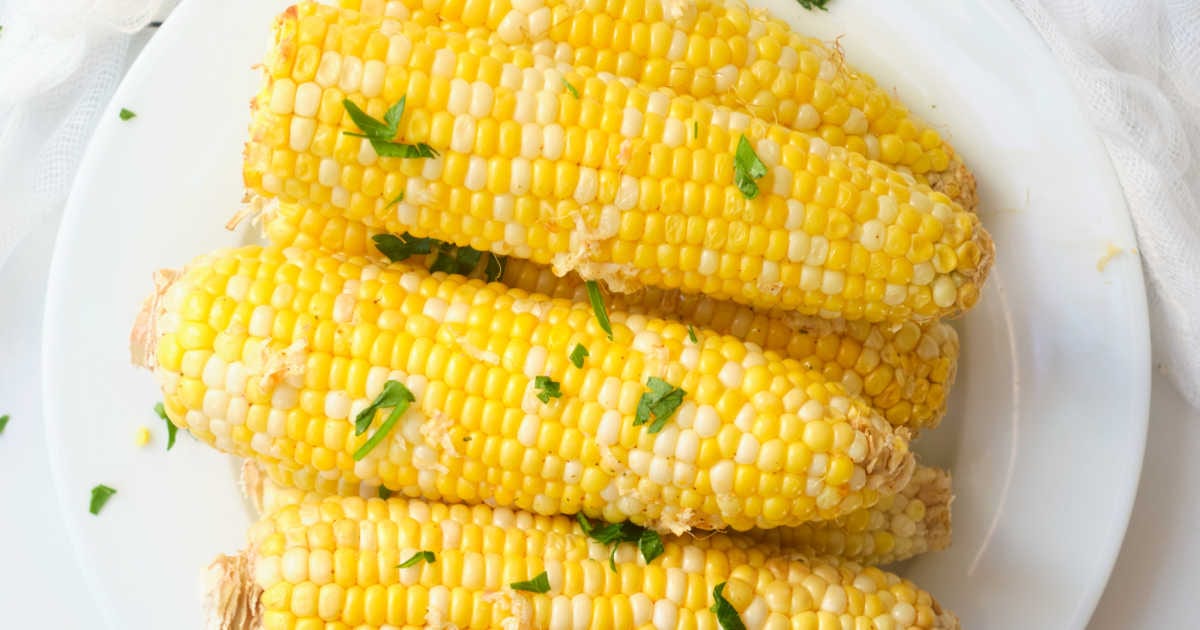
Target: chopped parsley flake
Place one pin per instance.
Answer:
(394, 395)
(384, 493)
(650, 544)
(727, 615)
(3, 422)
(659, 403)
(814, 4)
(597, 300)
(578, 354)
(570, 88)
(126, 114)
(459, 260)
(539, 584)
(172, 430)
(400, 150)
(449, 258)
(692, 334)
(403, 247)
(418, 558)
(547, 388)
(395, 201)
(381, 133)
(493, 268)
(100, 496)
(648, 541)
(747, 168)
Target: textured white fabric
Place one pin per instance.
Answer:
(60, 61)
(1136, 67)
(1135, 64)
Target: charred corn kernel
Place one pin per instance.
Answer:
(578, 227)
(480, 551)
(748, 60)
(914, 521)
(886, 364)
(442, 326)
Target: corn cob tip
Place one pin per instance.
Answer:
(976, 277)
(259, 209)
(233, 600)
(888, 457)
(956, 182)
(939, 497)
(251, 484)
(144, 336)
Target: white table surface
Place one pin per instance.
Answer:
(1153, 585)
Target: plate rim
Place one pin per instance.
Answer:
(105, 129)
(1090, 598)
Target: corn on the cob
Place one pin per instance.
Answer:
(336, 563)
(905, 371)
(719, 53)
(272, 354)
(609, 184)
(914, 521)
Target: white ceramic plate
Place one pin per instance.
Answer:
(1048, 418)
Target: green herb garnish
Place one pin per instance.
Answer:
(692, 334)
(100, 495)
(747, 168)
(418, 558)
(648, 540)
(814, 4)
(659, 403)
(3, 422)
(493, 268)
(381, 133)
(395, 201)
(384, 493)
(539, 584)
(403, 247)
(570, 88)
(449, 258)
(401, 150)
(172, 430)
(459, 260)
(126, 114)
(578, 354)
(650, 544)
(597, 300)
(727, 615)
(547, 388)
(394, 395)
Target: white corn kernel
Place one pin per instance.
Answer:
(351, 76)
(329, 69)
(283, 96)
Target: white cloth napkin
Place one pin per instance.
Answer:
(1134, 62)
(60, 61)
(1136, 66)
